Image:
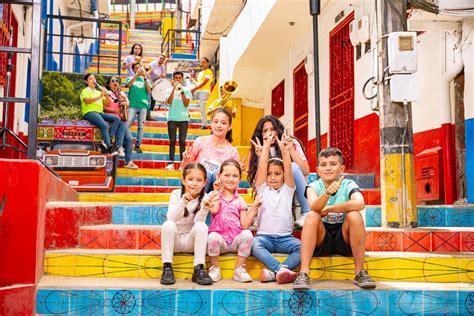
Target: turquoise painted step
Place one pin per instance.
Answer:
(148, 297)
(162, 182)
(164, 136)
(431, 216)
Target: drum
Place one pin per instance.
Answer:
(159, 88)
(188, 83)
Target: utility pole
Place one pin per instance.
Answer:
(396, 132)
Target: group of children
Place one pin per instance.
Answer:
(211, 176)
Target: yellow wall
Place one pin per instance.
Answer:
(251, 117)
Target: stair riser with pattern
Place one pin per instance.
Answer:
(209, 301)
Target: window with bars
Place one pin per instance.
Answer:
(278, 99)
(5, 22)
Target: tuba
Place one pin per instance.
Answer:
(229, 88)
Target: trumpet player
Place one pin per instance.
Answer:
(202, 90)
(136, 56)
(118, 103)
(178, 98)
(139, 90)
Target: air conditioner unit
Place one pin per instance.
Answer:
(455, 4)
(353, 34)
(363, 29)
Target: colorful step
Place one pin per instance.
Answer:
(62, 295)
(120, 236)
(430, 216)
(382, 266)
(135, 198)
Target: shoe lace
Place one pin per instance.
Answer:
(364, 276)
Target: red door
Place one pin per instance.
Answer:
(300, 102)
(341, 95)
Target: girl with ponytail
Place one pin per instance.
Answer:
(186, 230)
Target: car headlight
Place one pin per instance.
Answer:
(51, 160)
(97, 161)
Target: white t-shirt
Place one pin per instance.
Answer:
(275, 215)
(157, 70)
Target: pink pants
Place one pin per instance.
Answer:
(242, 244)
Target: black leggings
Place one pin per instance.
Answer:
(183, 131)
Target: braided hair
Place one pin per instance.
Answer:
(190, 166)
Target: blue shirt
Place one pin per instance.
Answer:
(342, 195)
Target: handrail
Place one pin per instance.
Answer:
(95, 43)
(174, 40)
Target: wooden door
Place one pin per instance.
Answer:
(341, 94)
(300, 104)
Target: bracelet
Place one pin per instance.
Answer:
(326, 192)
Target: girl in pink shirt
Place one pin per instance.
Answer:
(230, 222)
(214, 149)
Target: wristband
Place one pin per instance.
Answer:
(326, 192)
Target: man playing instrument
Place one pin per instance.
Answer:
(178, 98)
(157, 71)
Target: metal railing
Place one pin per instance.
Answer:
(82, 60)
(181, 41)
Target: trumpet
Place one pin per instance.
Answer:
(178, 88)
(227, 90)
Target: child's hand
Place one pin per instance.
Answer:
(187, 197)
(258, 146)
(210, 201)
(268, 140)
(187, 154)
(217, 184)
(286, 142)
(333, 187)
(256, 203)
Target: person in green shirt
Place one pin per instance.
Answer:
(92, 106)
(138, 94)
(178, 98)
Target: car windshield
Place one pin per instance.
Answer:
(73, 146)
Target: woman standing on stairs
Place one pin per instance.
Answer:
(118, 102)
(213, 150)
(203, 88)
(136, 56)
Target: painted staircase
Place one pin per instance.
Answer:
(103, 256)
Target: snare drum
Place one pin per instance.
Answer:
(159, 88)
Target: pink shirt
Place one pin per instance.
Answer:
(115, 105)
(204, 151)
(227, 220)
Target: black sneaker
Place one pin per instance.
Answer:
(138, 150)
(112, 151)
(364, 281)
(302, 282)
(167, 278)
(200, 276)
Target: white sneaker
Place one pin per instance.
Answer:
(300, 221)
(215, 273)
(170, 166)
(285, 275)
(267, 276)
(131, 165)
(241, 275)
(121, 152)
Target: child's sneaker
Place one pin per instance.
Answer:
(170, 166)
(302, 282)
(285, 275)
(131, 165)
(364, 280)
(267, 276)
(241, 275)
(121, 152)
(215, 273)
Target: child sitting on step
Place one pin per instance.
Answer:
(230, 222)
(334, 225)
(186, 230)
(275, 185)
(212, 150)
